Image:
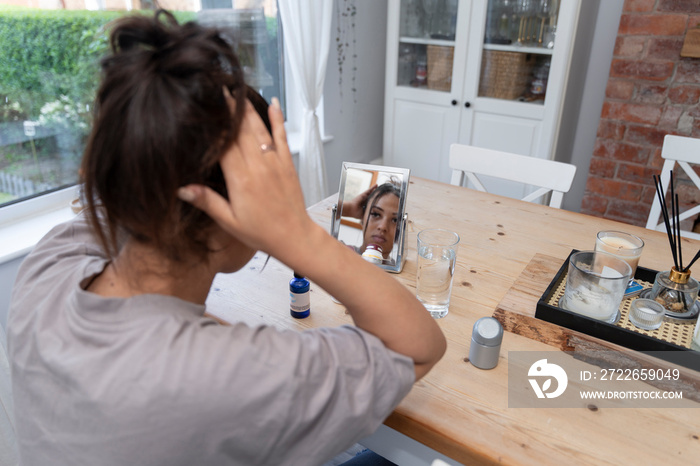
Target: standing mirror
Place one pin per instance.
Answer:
(371, 211)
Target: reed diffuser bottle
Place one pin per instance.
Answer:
(675, 289)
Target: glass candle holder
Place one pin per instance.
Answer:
(675, 291)
(646, 314)
(595, 285)
(626, 246)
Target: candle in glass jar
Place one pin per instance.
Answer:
(622, 245)
(595, 285)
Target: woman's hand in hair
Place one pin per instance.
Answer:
(266, 204)
(354, 207)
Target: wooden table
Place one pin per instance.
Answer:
(457, 409)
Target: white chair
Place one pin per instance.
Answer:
(547, 175)
(682, 151)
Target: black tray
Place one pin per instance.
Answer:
(611, 332)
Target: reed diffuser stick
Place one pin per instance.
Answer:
(674, 222)
(697, 256)
(678, 235)
(664, 214)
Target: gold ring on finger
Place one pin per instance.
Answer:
(267, 148)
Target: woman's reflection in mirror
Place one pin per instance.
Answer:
(378, 209)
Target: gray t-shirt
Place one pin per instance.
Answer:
(149, 380)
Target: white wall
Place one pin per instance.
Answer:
(355, 119)
(588, 78)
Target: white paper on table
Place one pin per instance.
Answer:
(609, 272)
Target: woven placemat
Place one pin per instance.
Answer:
(678, 333)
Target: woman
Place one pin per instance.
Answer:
(380, 217)
(378, 210)
(112, 359)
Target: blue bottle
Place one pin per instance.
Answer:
(299, 299)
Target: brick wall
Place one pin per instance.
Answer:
(652, 91)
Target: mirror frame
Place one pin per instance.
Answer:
(337, 210)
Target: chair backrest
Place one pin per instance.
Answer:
(8, 441)
(547, 175)
(682, 151)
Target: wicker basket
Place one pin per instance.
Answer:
(505, 75)
(440, 67)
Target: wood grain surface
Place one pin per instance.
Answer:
(463, 411)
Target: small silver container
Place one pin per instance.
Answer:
(485, 347)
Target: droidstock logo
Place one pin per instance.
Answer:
(543, 370)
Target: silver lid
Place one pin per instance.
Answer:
(487, 331)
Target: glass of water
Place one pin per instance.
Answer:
(437, 254)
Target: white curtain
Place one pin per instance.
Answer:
(307, 36)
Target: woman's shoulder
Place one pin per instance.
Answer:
(64, 252)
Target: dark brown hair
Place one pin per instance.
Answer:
(161, 122)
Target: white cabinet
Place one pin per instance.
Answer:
(490, 73)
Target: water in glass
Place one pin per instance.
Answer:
(434, 281)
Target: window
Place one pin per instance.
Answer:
(49, 73)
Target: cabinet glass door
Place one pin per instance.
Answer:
(426, 43)
(519, 39)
